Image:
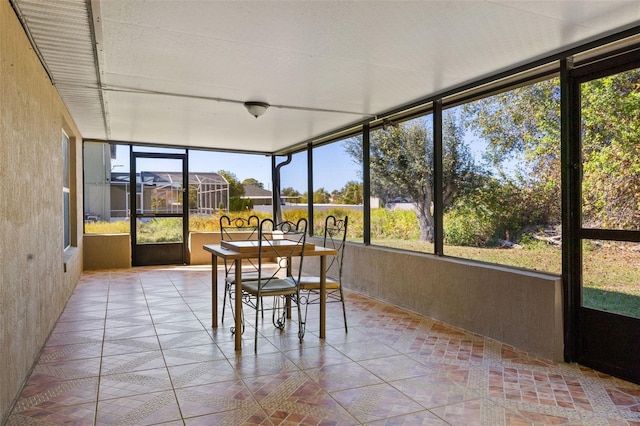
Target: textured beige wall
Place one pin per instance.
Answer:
(197, 255)
(34, 286)
(523, 309)
(106, 251)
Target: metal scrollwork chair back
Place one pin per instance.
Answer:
(335, 235)
(282, 242)
(237, 229)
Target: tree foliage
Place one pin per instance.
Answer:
(524, 124)
(401, 164)
(236, 189)
(254, 182)
(351, 193)
(522, 130)
(611, 151)
(321, 196)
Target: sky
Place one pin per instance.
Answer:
(333, 168)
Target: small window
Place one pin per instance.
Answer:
(65, 191)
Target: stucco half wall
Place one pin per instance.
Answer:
(520, 308)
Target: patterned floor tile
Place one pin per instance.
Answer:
(55, 400)
(376, 402)
(249, 416)
(215, 398)
(422, 418)
(128, 332)
(136, 346)
(66, 369)
(183, 340)
(175, 327)
(141, 409)
(364, 352)
(343, 376)
(135, 383)
(127, 363)
(433, 390)
(262, 364)
(70, 352)
(396, 367)
(202, 373)
(131, 345)
(293, 397)
(77, 415)
(481, 412)
(192, 354)
(315, 357)
(74, 337)
(73, 326)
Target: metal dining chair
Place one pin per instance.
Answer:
(237, 229)
(335, 235)
(278, 281)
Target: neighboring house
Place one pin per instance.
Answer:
(263, 197)
(259, 196)
(208, 192)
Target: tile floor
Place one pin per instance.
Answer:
(135, 347)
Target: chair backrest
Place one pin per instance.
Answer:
(335, 235)
(284, 242)
(239, 228)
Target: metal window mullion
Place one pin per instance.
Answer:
(438, 198)
(366, 184)
(185, 206)
(571, 209)
(310, 187)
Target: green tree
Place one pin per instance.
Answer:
(525, 124)
(401, 164)
(321, 196)
(290, 192)
(521, 126)
(611, 151)
(253, 181)
(236, 191)
(351, 193)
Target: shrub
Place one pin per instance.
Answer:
(465, 227)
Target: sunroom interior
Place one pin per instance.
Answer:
(176, 77)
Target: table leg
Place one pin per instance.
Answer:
(214, 289)
(323, 296)
(238, 316)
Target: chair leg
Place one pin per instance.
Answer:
(255, 343)
(227, 288)
(233, 313)
(278, 319)
(301, 323)
(344, 310)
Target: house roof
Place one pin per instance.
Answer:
(255, 192)
(169, 178)
(178, 73)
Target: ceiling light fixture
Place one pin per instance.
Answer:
(256, 108)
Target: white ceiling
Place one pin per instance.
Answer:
(177, 72)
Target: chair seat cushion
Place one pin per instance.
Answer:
(275, 287)
(313, 283)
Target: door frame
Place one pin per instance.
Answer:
(602, 340)
(160, 253)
